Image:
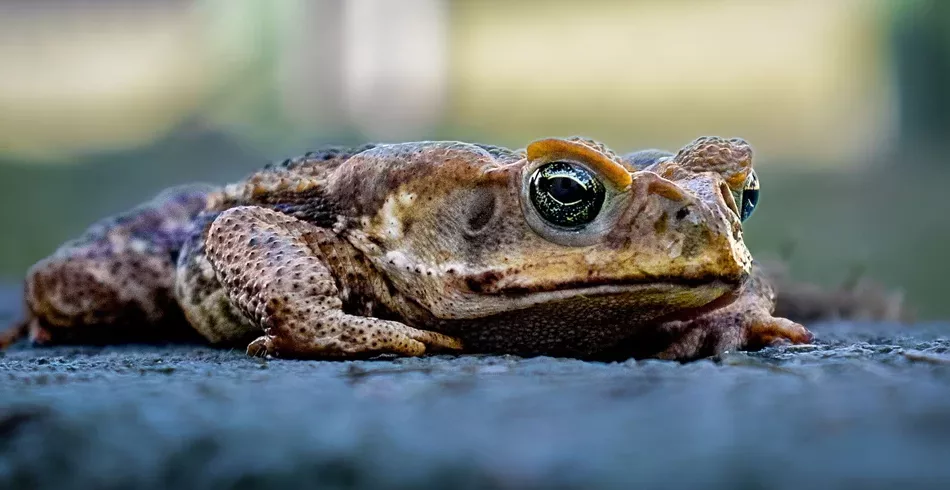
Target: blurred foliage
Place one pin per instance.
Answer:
(920, 37)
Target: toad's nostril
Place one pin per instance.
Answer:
(727, 197)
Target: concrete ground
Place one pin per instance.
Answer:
(867, 407)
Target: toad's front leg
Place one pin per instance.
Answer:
(747, 324)
(271, 266)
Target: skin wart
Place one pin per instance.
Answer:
(562, 248)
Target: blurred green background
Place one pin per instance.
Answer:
(847, 102)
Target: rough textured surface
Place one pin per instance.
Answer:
(271, 273)
(868, 407)
(115, 282)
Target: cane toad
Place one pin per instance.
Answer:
(562, 248)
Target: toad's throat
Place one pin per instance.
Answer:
(491, 283)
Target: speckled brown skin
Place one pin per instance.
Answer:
(431, 246)
(114, 283)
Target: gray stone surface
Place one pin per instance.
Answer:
(868, 407)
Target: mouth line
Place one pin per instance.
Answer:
(601, 286)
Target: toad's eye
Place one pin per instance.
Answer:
(566, 195)
(750, 196)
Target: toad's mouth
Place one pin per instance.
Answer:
(491, 283)
(653, 296)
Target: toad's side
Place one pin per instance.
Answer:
(563, 248)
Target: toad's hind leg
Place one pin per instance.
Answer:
(273, 269)
(114, 283)
(203, 298)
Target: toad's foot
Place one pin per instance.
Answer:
(273, 270)
(730, 330)
(352, 337)
(766, 330)
(745, 324)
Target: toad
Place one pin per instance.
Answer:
(562, 248)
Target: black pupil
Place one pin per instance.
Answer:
(566, 195)
(565, 189)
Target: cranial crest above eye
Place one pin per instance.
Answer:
(597, 157)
